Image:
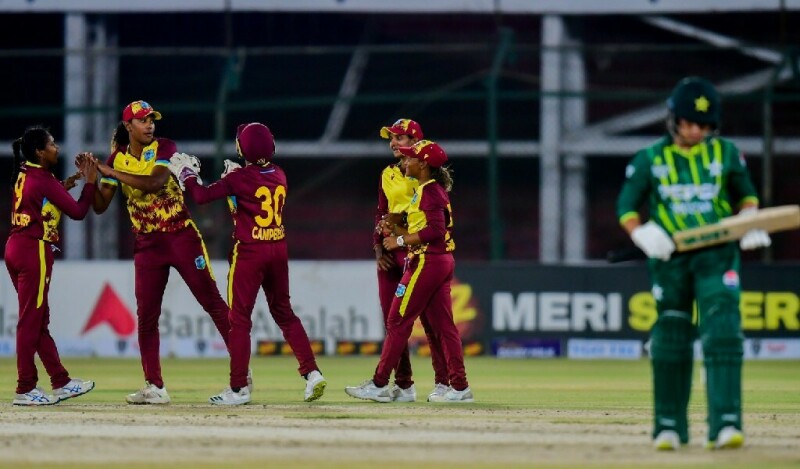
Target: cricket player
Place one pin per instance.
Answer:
(424, 288)
(259, 258)
(394, 195)
(688, 178)
(166, 236)
(38, 201)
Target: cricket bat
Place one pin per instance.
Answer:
(771, 220)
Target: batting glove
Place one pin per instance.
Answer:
(653, 240)
(230, 167)
(754, 239)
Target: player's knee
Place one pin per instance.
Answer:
(721, 330)
(672, 336)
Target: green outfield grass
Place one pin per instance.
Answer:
(591, 393)
(570, 384)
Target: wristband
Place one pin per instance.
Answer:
(400, 241)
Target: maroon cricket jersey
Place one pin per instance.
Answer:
(256, 195)
(38, 201)
(431, 217)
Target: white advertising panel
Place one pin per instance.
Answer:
(93, 309)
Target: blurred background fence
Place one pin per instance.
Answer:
(539, 113)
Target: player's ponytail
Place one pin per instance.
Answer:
(120, 138)
(17, 164)
(443, 177)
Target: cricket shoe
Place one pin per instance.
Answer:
(399, 394)
(249, 377)
(667, 440)
(149, 394)
(438, 392)
(728, 438)
(35, 396)
(453, 396)
(369, 392)
(231, 397)
(315, 386)
(76, 387)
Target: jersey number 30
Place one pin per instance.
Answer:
(271, 206)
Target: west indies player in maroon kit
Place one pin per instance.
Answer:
(38, 201)
(259, 257)
(166, 236)
(425, 286)
(394, 195)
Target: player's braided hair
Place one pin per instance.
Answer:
(120, 137)
(443, 177)
(34, 138)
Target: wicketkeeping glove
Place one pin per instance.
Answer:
(184, 166)
(754, 239)
(653, 240)
(230, 167)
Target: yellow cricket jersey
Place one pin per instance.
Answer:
(398, 188)
(161, 211)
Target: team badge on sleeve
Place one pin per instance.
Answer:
(200, 262)
(401, 290)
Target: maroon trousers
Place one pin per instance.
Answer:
(154, 254)
(424, 290)
(30, 264)
(264, 266)
(387, 286)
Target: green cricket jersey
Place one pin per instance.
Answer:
(686, 188)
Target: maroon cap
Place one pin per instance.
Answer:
(427, 151)
(403, 127)
(139, 110)
(255, 143)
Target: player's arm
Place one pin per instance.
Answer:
(58, 196)
(203, 195)
(634, 191)
(148, 184)
(740, 184)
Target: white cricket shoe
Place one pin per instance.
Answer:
(230, 397)
(452, 395)
(149, 394)
(403, 395)
(315, 386)
(76, 387)
(35, 396)
(438, 392)
(249, 375)
(728, 438)
(667, 440)
(369, 392)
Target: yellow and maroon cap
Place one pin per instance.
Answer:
(139, 110)
(403, 127)
(426, 150)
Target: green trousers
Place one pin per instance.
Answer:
(709, 278)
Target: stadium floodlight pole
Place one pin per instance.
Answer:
(495, 221)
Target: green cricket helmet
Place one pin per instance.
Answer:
(696, 100)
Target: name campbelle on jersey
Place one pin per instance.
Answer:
(556, 311)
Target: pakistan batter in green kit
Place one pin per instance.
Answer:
(691, 177)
